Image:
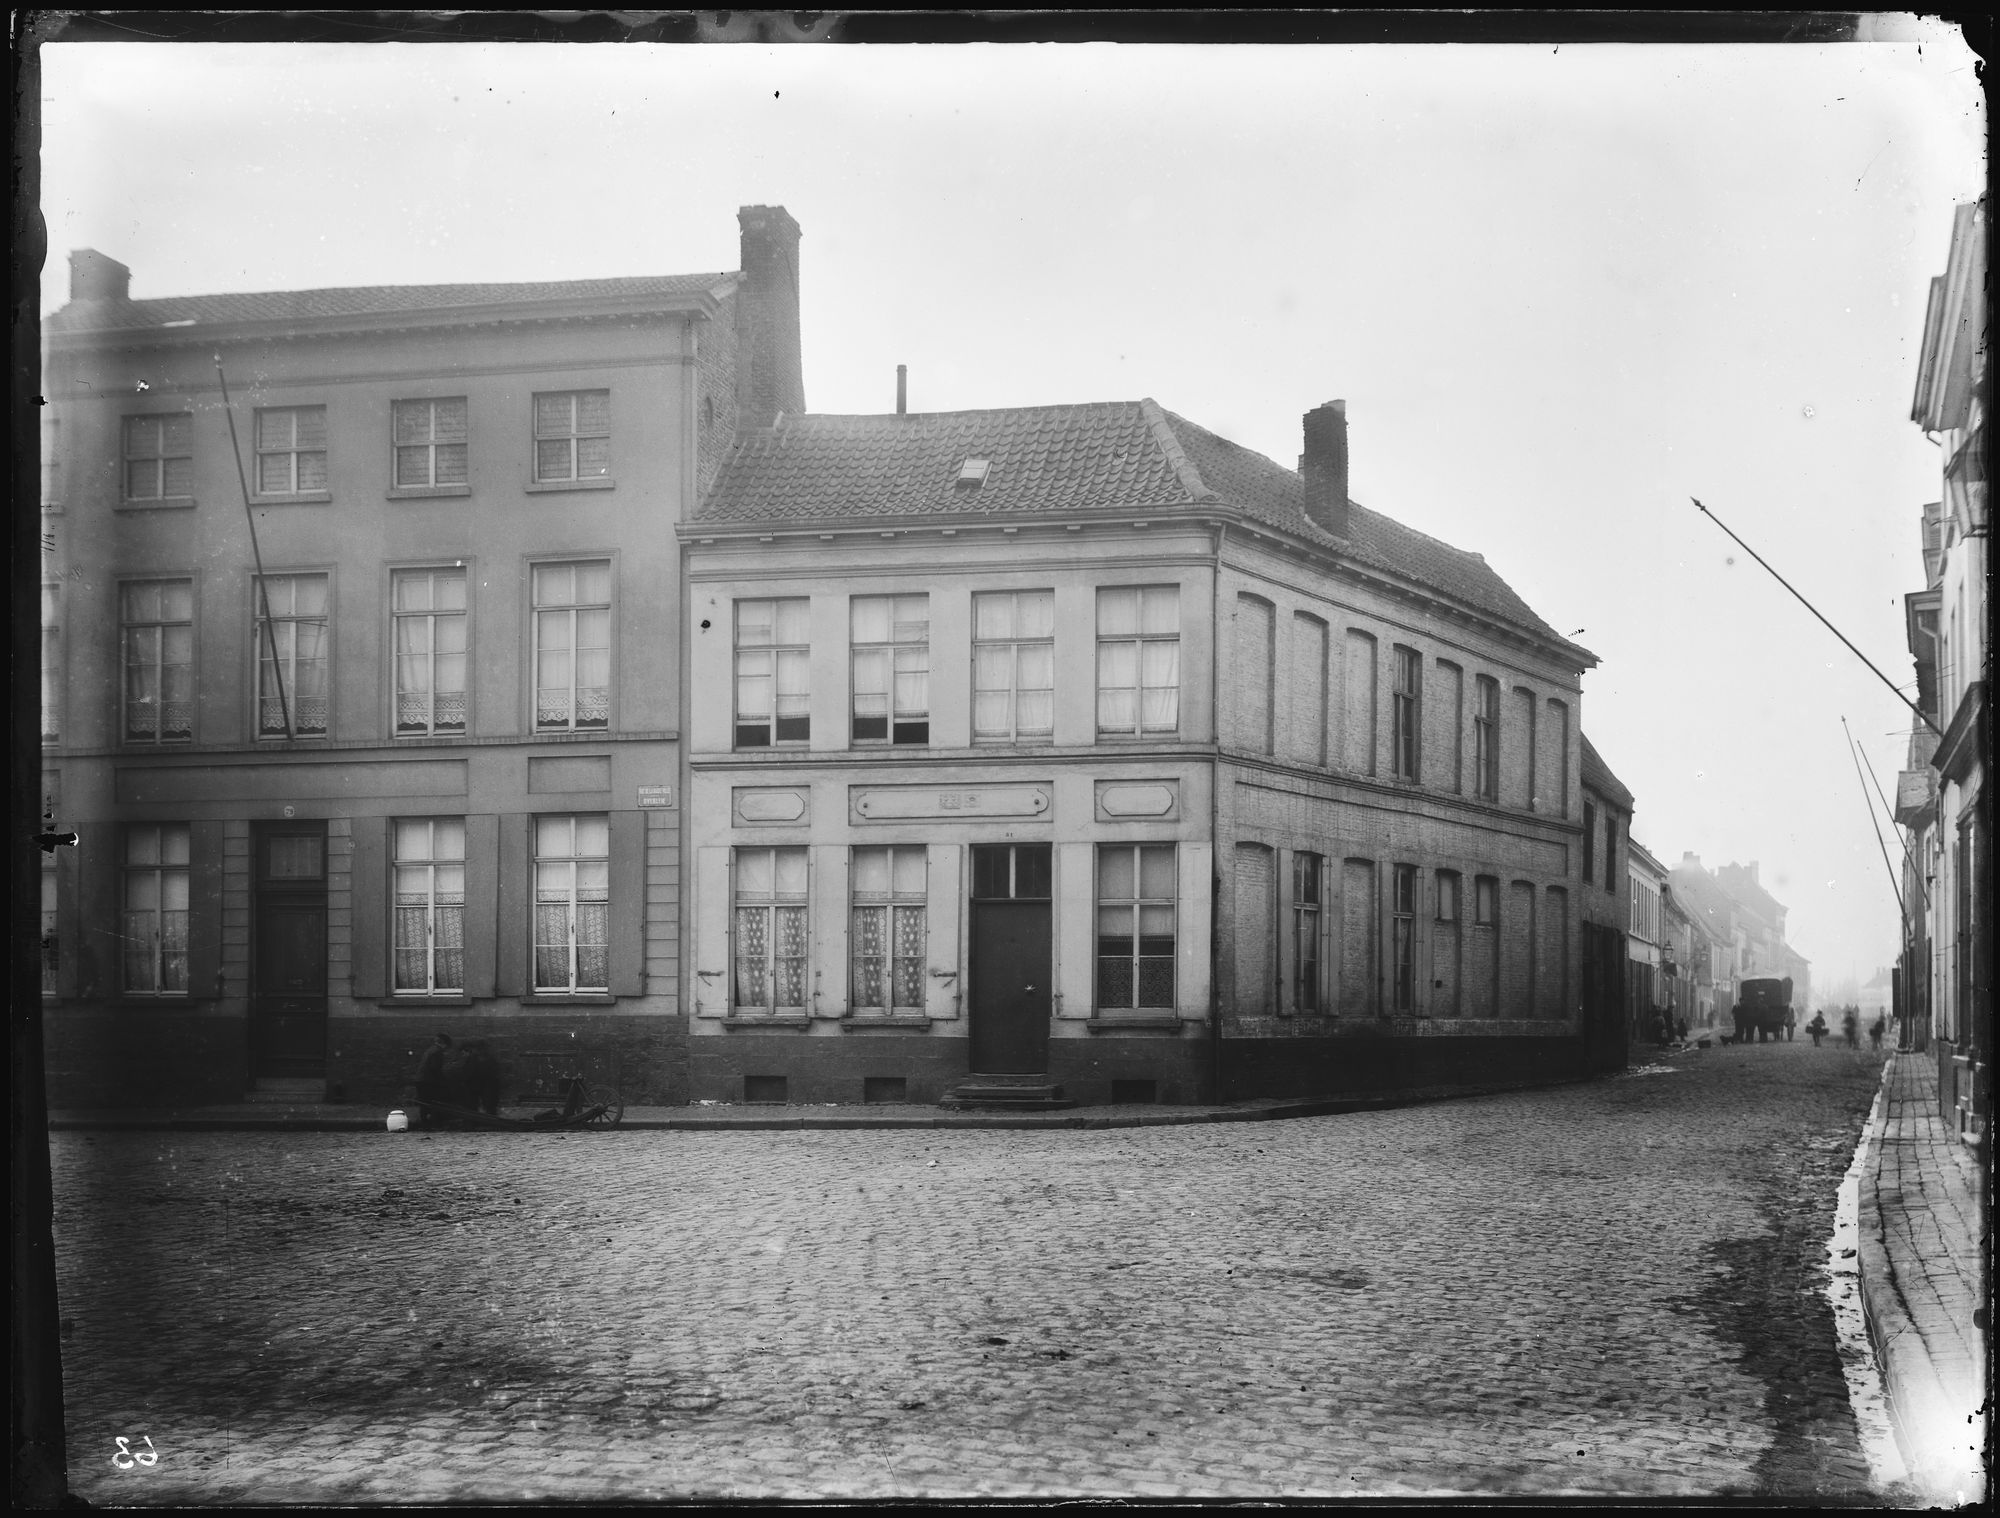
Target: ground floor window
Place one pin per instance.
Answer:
(156, 910)
(771, 937)
(430, 906)
(572, 903)
(1135, 927)
(887, 943)
(1308, 874)
(1405, 945)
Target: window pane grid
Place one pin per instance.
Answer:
(770, 930)
(291, 450)
(1404, 715)
(429, 869)
(1306, 910)
(572, 904)
(1138, 660)
(292, 649)
(772, 673)
(1013, 665)
(573, 645)
(157, 637)
(888, 944)
(573, 435)
(890, 646)
(159, 462)
(154, 921)
(1135, 927)
(430, 651)
(430, 442)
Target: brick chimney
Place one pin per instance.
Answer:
(770, 374)
(92, 276)
(1323, 467)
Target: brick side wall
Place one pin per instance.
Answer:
(715, 398)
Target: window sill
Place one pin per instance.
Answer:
(427, 492)
(1161, 737)
(299, 498)
(863, 1024)
(151, 1003)
(296, 738)
(442, 735)
(410, 1003)
(140, 746)
(556, 487)
(164, 503)
(768, 1020)
(1157, 1023)
(580, 999)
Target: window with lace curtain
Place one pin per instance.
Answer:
(1138, 660)
(155, 918)
(1013, 666)
(572, 904)
(430, 906)
(292, 656)
(156, 631)
(573, 645)
(770, 931)
(887, 943)
(429, 615)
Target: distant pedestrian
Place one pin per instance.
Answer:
(1875, 1030)
(1850, 1027)
(1817, 1028)
(431, 1077)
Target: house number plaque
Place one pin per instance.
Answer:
(948, 803)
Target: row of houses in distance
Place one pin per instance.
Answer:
(581, 691)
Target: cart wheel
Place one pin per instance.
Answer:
(606, 1115)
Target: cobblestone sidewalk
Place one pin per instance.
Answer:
(1923, 1287)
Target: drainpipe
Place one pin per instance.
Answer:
(1214, 828)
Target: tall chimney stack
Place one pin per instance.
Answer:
(902, 389)
(770, 373)
(1323, 467)
(92, 276)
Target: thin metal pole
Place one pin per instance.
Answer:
(1890, 812)
(1902, 910)
(1922, 716)
(256, 554)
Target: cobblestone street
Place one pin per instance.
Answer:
(1614, 1288)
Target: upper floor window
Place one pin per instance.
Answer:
(1407, 704)
(430, 443)
(291, 450)
(1135, 926)
(573, 645)
(1589, 843)
(891, 644)
(159, 457)
(1013, 665)
(1610, 852)
(429, 613)
(573, 436)
(292, 656)
(887, 947)
(156, 628)
(155, 921)
(572, 904)
(772, 654)
(430, 905)
(1138, 660)
(1486, 738)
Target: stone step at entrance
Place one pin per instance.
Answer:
(1005, 1093)
(293, 1089)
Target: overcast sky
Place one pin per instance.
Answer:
(1561, 289)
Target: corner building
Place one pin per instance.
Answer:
(420, 769)
(1079, 749)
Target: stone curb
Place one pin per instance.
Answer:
(1918, 1402)
(300, 1120)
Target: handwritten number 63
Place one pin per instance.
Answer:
(127, 1457)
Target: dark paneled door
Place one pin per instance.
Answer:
(1010, 963)
(288, 950)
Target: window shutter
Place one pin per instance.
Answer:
(511, 930)
(370, 908)
(204, 909)
(942, 893)
(814, 919)
(628, 903)
(482, 878)
(712, 888)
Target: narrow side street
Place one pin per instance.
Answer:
(1614, 1288)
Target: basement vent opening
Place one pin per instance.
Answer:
(764, 1088)
(972, 474)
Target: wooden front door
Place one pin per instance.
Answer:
(1010, 962)
(288, 951)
